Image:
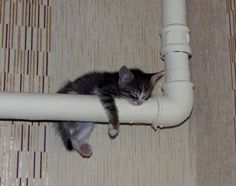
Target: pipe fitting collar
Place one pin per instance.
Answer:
(175, 38)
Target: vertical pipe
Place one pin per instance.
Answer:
(176, 104)
(173, 12)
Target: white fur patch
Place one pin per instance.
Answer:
(112, 131)
(141, 98)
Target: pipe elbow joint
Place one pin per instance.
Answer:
(175, 105)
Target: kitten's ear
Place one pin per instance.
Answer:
(125, 75)
(155, 77)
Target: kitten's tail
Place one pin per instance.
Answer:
(65, 135)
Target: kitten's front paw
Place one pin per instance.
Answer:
(113, 132)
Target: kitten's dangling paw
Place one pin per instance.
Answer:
(112, 131)
(85, 150)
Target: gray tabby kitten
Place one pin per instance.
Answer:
(132, 84)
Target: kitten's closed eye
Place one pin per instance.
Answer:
(133, 95)
(136, 98)
(146, 96)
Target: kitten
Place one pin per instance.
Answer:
(132, 84)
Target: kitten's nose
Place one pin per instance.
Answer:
(140, 102)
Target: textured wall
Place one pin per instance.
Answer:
(24, 50)
(103, 35)
(213, 73)
(44, 43)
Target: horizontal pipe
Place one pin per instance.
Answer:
(28, 106)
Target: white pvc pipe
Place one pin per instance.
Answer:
(176, 104)
(173, 12)
(71, 108)
(168, 110)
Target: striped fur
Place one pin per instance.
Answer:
(132, 84)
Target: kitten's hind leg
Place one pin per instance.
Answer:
(80, 137)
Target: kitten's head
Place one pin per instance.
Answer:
(136, 85)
